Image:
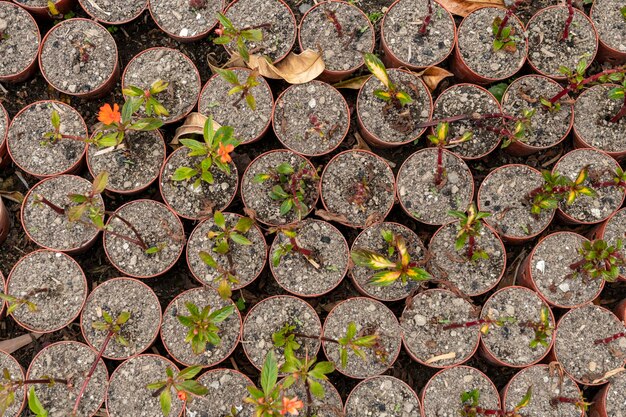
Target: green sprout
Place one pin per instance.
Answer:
(470, 405)
(543, 329)
(599, 260)
(286, 338)
(391, 94)
(202, 325)
(113, 327)
(557, 188)
(228, 33)
(470, 225)
(139, 97)
(243, 90)
(9, 385)
(183, 385)
(356, 343)
(307, 372)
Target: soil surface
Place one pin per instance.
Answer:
(593, 112)
(615, 232)
(610, 23)
(114, 10)
(227, 389)
(179, 18)
(382, 395)
(616, 396)
(20, 41)
(15, 371)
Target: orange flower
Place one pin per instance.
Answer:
(108, 115)
(182, 395)
(224, 152)
(291, 406)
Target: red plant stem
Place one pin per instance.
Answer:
(330, 15)
(427, 19)
(564, 400)
(73, 137)
(309, 397)
(606, 184)
(42, 381)
(574, 86)
(610, 338)
(140, 242)
(568, 22)
(470, 246)
(294, 244)
(91, 372)
(439, 173)
(467, 324)
(472, 117)
(322, 338)
(555, 190)
(577, 264)
(621, 113)
(508, 15)
(50, 204)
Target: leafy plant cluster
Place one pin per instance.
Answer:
(599, 260)
(470, 401)
(203, 325)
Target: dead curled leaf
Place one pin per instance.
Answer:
(432, 76)
(465, 7)
(194, 124)
(295, 68)
(449, 355)
(353, 83)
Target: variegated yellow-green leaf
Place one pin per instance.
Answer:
(377, 68)
(385, 278)
(372, 260)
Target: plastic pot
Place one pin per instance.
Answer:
(20, 393)
(5, 223)
(30, 70)
(3, 139)
(607, 53)
(378, 379)
(111, 22)
(42, 12)
(183, 39)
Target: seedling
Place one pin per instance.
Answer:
(332, 17)
(202, 325)
(55, 135)
(390, 271)
(426, 19)
(9, 385)
(568, 22)
(579, 402)
(557, 188)
(599, 260)
(286, 338)
(610, 339)
(226, 277)
(238, 88)
(146, 98)
(34, 405)
(441, 140)
(228, 33)
(182, 384)
(503, 35)
(543, 329)
(360, 191)
(215, 150)
(84, 49)
(293, 247)
(470, 225)
(270, 401)
(226, 235)
(15, 302)
(471, 407)
(391, 94)
(485, 323)
(290, 186)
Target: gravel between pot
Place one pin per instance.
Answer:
(370, 317)
(169, 65)
(329, 251)
(614, 231)
(575, 346)
(133, 376)
(616, 396)
(29, 150)
(442, 395)
(311, 119)
(421, 198)
(72, 361)
(133, 168)
(230, 110)
(358, 186)
(114, 12)
(422, 331)
(20, 40)
(56, 285)
(78, 57)
(547, 52)
(173, 333)
(227, 389)
(609, 23)
(342, 32)
(400, 32)
(9, 363)
(371, 239)
(114, 297)
(593, 111)
(50, 229)
(270, 316)
(185, 18)
(329, 406)
(382, 396)
(158, 226)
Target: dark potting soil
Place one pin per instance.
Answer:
(341, 30)
(328, 249)
(54, 283)
(371, 239)
(270, 316)
(158, 227)
(192, 202)
(72, 361)
(114, 10)
(401, 33)
(382, 396)
(504, 193)
(358, 185)
(616, 396)
(227, 389)
(78, 56)
(475, 44)
(248, 260)
(172, 66)
(256, 196)
(616, 231)
(545, 386)
(610, 23)
(51, 229)
(553, 277)
(179, 18)
(20, 39)
(232, 110)
(472, 277)
(546, 49)
(330, 405)
(311, 118)
(427, 202)
(592, 114)
(32, 152)
(607, 200)
(117, 296)
(130, 168)
(173, 333)
(370, 317)
(575, 346)
(133, 376)
(510, 343)
(278, 38)
(391, 124)
(15, 371)
(422, 326)
(469, 99)
(442, 397)
(547, 128)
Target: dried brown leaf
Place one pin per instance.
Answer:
(194, 124)
(332, 217)
(353, 83)
(11, 345)
(432, 76)
(295, 68)
(465, 7)
(449, 355)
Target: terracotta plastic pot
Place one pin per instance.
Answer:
(372, 139)
(30, 70)
(607, 53)
(4, 222)
(3, 140)
(20, 397)
(620, 311)
(41, 12)
(183, 39)
(392, 61)
(111, 22)
(335, 76)
(377, 377)
(598, 406)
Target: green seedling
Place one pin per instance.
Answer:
(470, 225)
(203, 325)
(243, 90)
(182, 384)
